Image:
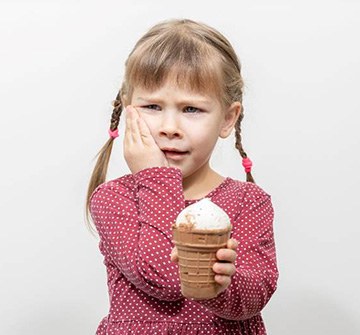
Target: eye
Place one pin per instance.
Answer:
(156, 107)
(192, 110)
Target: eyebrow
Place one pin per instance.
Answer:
(190, 101)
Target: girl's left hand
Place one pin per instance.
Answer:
(224, 269)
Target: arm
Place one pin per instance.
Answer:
(256, 271)
(134, 225)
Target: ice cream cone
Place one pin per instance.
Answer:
(197, 254)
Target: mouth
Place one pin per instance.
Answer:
(175, 154)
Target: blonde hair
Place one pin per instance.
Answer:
(197, 56)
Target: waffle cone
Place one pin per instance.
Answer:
(197, 255)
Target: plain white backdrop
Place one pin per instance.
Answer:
(61, 64)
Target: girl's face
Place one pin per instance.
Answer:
(185, 121)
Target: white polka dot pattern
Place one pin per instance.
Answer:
(133, 215)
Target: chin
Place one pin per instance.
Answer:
(176, 166)
(184, 173)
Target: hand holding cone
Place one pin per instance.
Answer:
(224, 268)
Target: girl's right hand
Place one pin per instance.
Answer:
(140, 148)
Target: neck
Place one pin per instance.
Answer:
(201, 182)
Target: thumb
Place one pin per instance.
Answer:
(174, 255)
(232, 244)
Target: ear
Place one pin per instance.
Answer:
(231, 116)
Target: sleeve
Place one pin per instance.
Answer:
(256, 274)
(134, 225)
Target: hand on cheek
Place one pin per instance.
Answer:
(140, 148)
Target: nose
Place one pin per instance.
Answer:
(170, 126)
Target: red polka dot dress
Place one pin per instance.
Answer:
(133, 216)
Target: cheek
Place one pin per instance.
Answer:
(204, 138)
(150, 122)
(205, 131)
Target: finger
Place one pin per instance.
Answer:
(226, 269)
(223, 280)
(232, 244)
(143, 127)
(128, 136)
(227, 255)
(135, 131)
(174, 255)
(145, 133)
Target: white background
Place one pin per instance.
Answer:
(61, 64)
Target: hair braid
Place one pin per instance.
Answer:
(115, 116)
(99, 174)
(238, 144)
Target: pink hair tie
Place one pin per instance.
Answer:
(247, 164)
(114, 133)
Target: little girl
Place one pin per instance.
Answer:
(182, 91)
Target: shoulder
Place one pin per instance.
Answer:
(233, 196)
(239, 195)
(249, 205)
(118, 186)
(246, 190)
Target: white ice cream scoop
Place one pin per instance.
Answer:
(204, 214)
